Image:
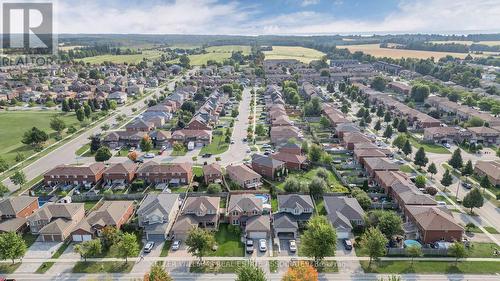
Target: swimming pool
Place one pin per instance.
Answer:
(263, 197)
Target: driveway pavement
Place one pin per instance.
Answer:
(143, 265)
(65, 267)
(347, 266)
(39, 250)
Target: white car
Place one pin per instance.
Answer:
(446, 145)
(149, 155)
(176, 245)
(149, 246)
(293, 246)
(262, 245)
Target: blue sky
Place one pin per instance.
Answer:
(280, 17)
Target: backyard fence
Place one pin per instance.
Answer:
(425, 251)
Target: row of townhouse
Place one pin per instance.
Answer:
(415, 118)
(282, 129)
(424, 219)
(462, 111)
(483, 135)
(92, 174)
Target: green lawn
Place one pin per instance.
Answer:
(440, 267)
(406, 169)
(179, 152)
(197, 171)
(274, 205)
(482, 250)
(165, 248)
(103, 267)
(333, 182)
(302, 54)
(89, 205)
(135, 59)
(491, 230)
(217, 146)
(433, 148)
(320, 207)
(29, 239)
(84, 151)
(44, 267)
(273, 266)
(8, 268)
(228, 242)
(13, 124)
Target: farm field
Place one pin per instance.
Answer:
(302, 54)
(375, 50)
(123, 58)
(216, 53)
(488, 43)
(13, 124)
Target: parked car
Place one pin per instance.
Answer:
(249, 246)
(176, 245)
(207, 155)
(149, 155)
(118, 148)
(232, 141)
(467, 185)
(262, 245)
(131, 149)
(347, 244)
(446, 145)
(293, 246)
(149, 246)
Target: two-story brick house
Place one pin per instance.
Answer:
(244, 176)
(157, 213)
(14, 211)
(173, 174)
(75, 174)
(198, 211)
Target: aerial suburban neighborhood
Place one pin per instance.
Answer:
(133, 154)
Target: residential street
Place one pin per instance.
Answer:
(66, 153)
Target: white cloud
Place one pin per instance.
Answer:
(212, 17)
(306, 3)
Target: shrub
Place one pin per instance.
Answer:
(138, 184)
(322, 173)
(431, 190)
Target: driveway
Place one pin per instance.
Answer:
(143, 265)
(38, 250)
(256, 252)
(65, 267)
(347, 266)
(285, 248)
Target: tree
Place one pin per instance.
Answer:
(18, 178)
(158, 273)
(432, 169)
(485, 182)
(420, 92)
(65, 106)
(420, 181)
(377, 126)
(293, 185)
(146, 144)
(301, 271)
(89, 248)
(373, 241)
(250, 272)
(447, 179)
(128, 246)
(3, 189)
(387, 117)
(473, 199)
(324, 122)
(388, 132)
(420, 158)
(413, 252)
(380, 111)
(315, 153)
(214, 188)
(12, 246)
(399, 141)
(260, 130)
(364, 200)
(80, 115)
(317, 187)
(378, 83)
(458, 251)
(305, 147)
(102, 154)
(189, 106)
(199, 241)
(95, 143)
(57, 124)
(110, 235)
(87, 110)
(320, 239)
(456, 159)
(362, 122)
(403, 126)
(184, 61)
(4, 166)
(431, 190)
(34, 137)
(407, 148)
(468, 169)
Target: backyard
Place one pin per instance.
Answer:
(432, 148)
(217, 146)
(332, 181)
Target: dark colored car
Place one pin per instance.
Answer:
(347, 244)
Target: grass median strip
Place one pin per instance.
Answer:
(8, 268)
(103, 267)
(427, 267)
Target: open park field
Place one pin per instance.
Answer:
(217, 53)
(302, 54)
(13, 124)
(375, 50)
(123, 58)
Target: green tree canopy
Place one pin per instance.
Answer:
(199, 241)
(374, 241)
(250, 272)
(473, 199)
(320, 239)
(102, 154)
(12, 246)
(456, 159)
(420, 158)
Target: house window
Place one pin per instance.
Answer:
(296, 211)
(236, 222)
(254, 212)
(235, 213)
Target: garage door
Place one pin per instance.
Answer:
(48, 238)
(156, 237)
(286, 235)
(342, 234)
(77, 238)
(257, 235)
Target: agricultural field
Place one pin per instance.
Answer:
(229, 49)
(13, 124)
(135, 59)
(375, 50)
(468, 43)
(302, 54)
(216, 53)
